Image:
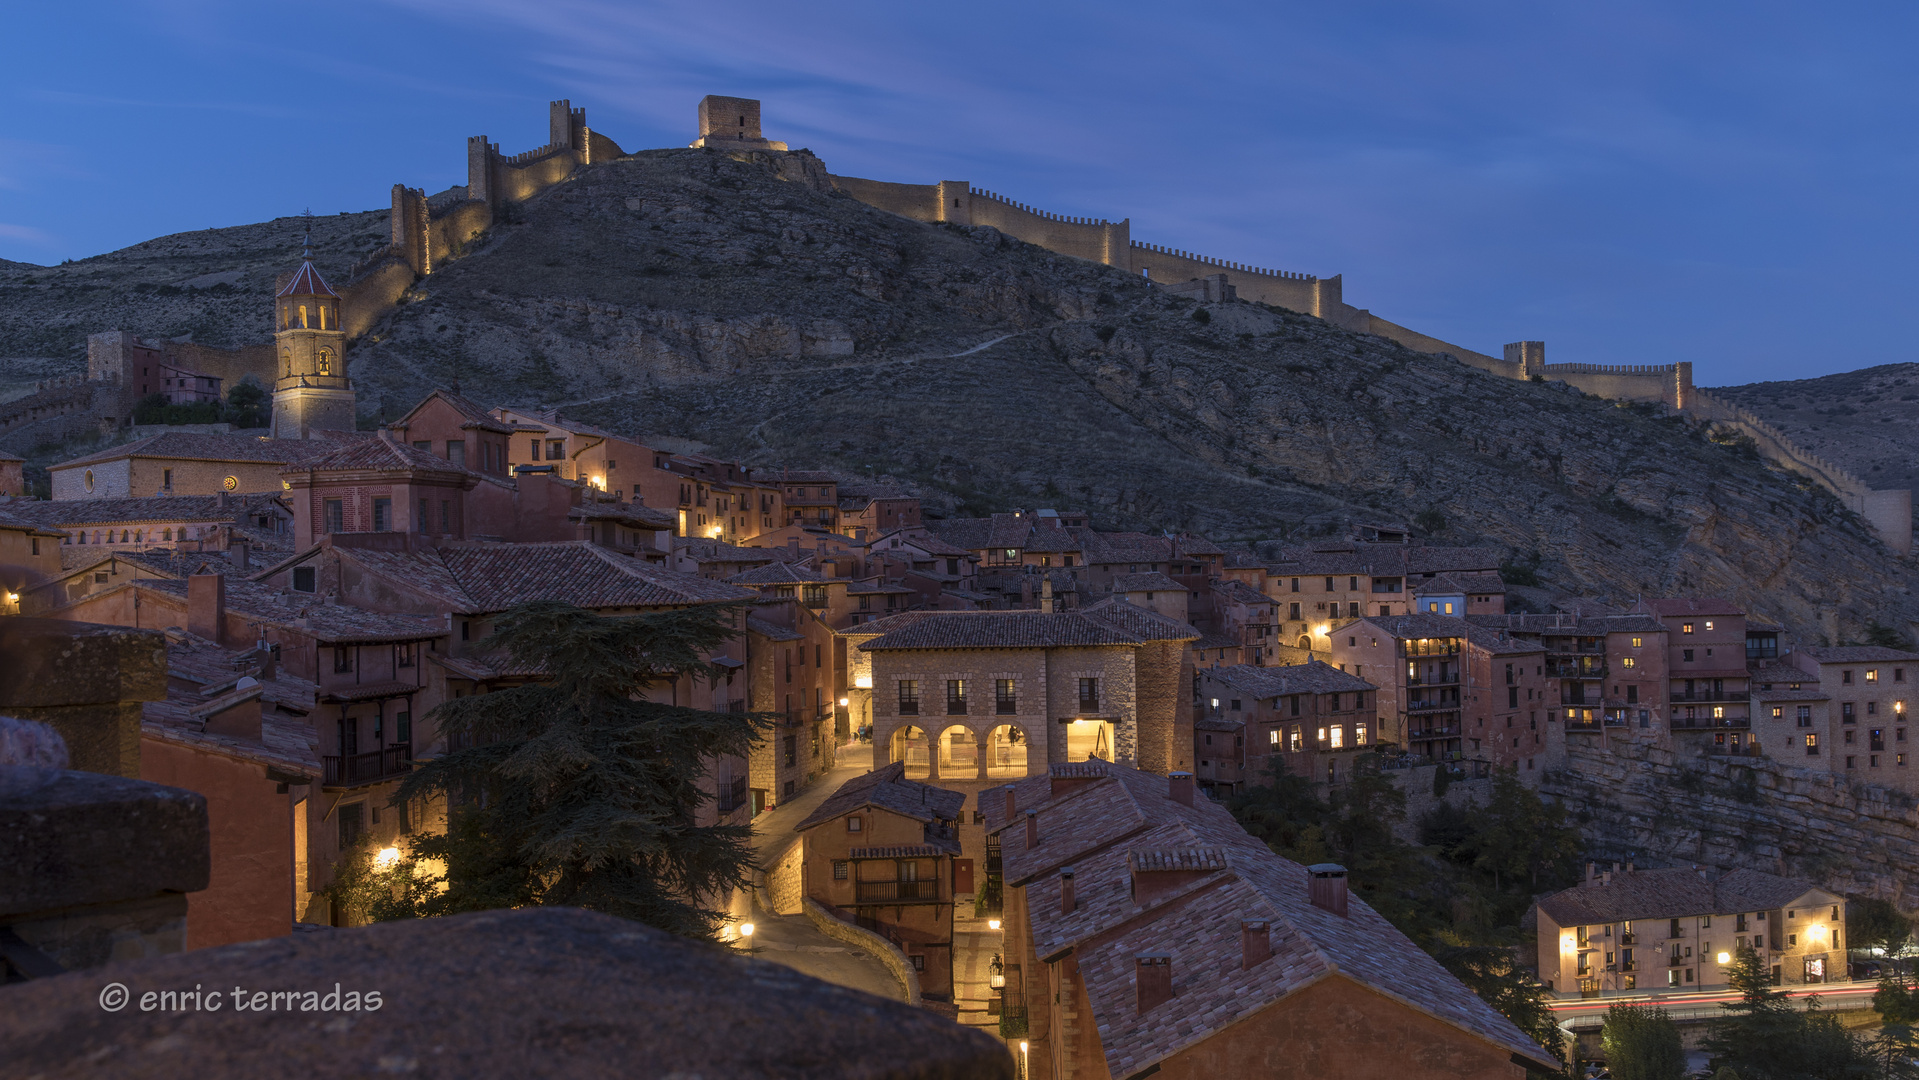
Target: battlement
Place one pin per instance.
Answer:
(1283, 275)
(732, 123)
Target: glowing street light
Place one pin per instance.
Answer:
(1725, 958)
(746, 931)
(387, 858)
(992, 924)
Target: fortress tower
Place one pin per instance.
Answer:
(730, 123)
(312, 393)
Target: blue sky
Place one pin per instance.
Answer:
(1632, 182)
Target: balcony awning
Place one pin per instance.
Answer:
(370, 692)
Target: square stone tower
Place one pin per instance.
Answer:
(312, 393)
(730, 123)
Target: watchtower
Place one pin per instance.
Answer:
(731, 123)
(312, 393)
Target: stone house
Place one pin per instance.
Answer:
(29, 557)
(460, 431)
(1869, 693)
(183, 386)
(1626, 932)
(13, 475)
(1219, 753)
(1310, 720)
(715, 498)
(212, 522)
(1709, 688)
(369, 670)
(1449, 689)
(1147, 934)
(1016, 688)
(381, 485)
(1344, 580)
(717, 560)
(811, 498)
(1460, 594)
(877, 510)
(880, 853)
(797, 669)
(184, 463)
(1792, 717)
(1247, 617)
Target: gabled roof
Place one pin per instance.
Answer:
(1312, 677)
(379, 455)
(338, 624)
(1675, 893)
(778, 573)
(1233, 590)
(887, 788)
(1461, 583)
(10, 520)
(1147, 582)
(634, 514)
(1125, 547)
(1000, 630)
(307, 281)
(212, 446)
(214, 509)
(886, 625)
(472, 416)
(1110, 826)
(1142, 623)
(700, 549)
(474, 578)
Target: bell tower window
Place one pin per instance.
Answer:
(326, 361)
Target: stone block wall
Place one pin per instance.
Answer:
(867, 941)
(87, 682)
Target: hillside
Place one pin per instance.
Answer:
(1867, 420)
(686, 293)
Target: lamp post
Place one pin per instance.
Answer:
(746, 931)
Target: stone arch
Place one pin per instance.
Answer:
(957, 747)
(908, 743)
(1305, 643)
(166, 535)
(1009, 751)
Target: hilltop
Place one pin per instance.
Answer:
(739, 302)
(1865, 420)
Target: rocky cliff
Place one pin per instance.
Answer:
(1640, 802)
(738, 301)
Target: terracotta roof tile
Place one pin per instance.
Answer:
(1142, 623)
(1673, 893)
(887, 787)
(307, 281)
(1147, 582)
(1691, 605)
(1001, 630)
(198, 446)
(1313, 677)
(1855, 654)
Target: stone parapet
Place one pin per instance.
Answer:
(85, 681)
(96, 868)
(536, 992)
(867, 941)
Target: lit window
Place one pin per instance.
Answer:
(1339, 736)
(1636, 643)
(1872, 675)
(1709, 624)
(1685, 628)
(1718, 712)
(1627, 662)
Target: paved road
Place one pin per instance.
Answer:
(793, 940)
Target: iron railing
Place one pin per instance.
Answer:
(872, 892)
(367, 768)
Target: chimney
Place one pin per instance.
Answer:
(207, 606)
(1629, 866)
(1046, 595)
(237, 552)
(1179, 788)
(1066, 902)
(1032, 829)
(1026, 590)
(1012, 803)
(269, 669)
(1328, 887)
(1255, 943)
(1605, 878)
(1153, 973)
(1591, 870)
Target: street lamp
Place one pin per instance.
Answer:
(746, 931)
(993, 925)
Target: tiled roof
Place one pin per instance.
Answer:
(772, 631)
(1673, 893)
(1312, 677)
(703, 550)
(196, 446)
(1461, 583)
(778, 573)
(1235, 591)
(472, 415)
(10, 520)
(328, 623)
(1150, 582)
(1564, 622)
(887, 787)
(1782, 678)
(307, 281)
(802, 476)
(1001, 630)
(1142, 623)
(1855, 654)
(1195, 546)
(155, 508)
(900, 851)
(1126, 547)
(379, 454)
(887, 624)
(870, 588)
(1216, 723)
(498, 576)
(1689, 605)
(1107, 828)
(644, 517)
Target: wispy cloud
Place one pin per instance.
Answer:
(29, 235)
(68, 97)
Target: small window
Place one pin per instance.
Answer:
(303, 578)
(855, 823)
(839, 869)
(335, 515)
(1685, 628)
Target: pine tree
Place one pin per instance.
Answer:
(1494, 974)
(576, 790)
(1765, 1038)
(1642, 1043)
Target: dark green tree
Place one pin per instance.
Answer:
(1765, 1038)
(1494, 974)
(1524, 837)
(1873, 923)
(248, 404)
(1642, 1043)
(576, 790)
(1896, 1050)
(151, 409)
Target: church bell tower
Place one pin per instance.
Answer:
(312, 394)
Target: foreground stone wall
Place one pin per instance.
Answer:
(1639, 801)
(867, 941)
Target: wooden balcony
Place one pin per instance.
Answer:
(352, 770)
(894, 892)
